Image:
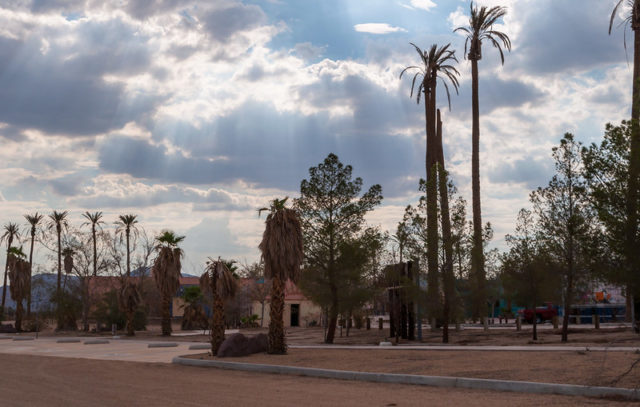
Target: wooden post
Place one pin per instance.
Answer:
(380, 323)
(434, 326)
(368, 323)
(596, 320)
(518, 323)
(555, 321)
(485, 322)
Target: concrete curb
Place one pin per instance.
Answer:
(96, 342)
(24, 338)
(5, 337)
(436, 381)
(547, 348)
(163, 345)
(68, 340)
(204, 346)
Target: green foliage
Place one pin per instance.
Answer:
(192, 295)
(336, 240)
(108, 312)
(169, 238)
(606, 171)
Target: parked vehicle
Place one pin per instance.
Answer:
(540, 314)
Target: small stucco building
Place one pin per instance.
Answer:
(298, 309)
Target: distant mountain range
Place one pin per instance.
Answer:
(42, 285)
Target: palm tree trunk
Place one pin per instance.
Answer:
(4, 286)
(631, 238)
(33, 236)
(58, 292)
(277, 344)
(217, 317)
(166, 314)
(85, 304)
(19, 312)
(477, 252)
(433, 291)
(95, 250)
(448, 277)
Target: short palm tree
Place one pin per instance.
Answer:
(481, 28)
(34, 220)
(282, 253)
(633, 186)
(11, 232)
(437, 63)
(166, 272)
(95, 220)
(58, 222)
(218, 281)
(19, 277)
(130, 294)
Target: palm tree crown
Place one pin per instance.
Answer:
(93, 219)
(169, 239)
(34, 220)
(58, 220)
(481, 28)
(632, 18)
(11, 232)
(281, 246)
(435, 60)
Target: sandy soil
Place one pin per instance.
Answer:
(495, 337)
(44, 381)
(590, 368)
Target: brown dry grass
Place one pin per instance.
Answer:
(590, 368)
(48, 381)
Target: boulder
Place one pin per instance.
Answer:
(241, 345)
(7, 329)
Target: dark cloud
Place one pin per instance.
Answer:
(532, 172)
(62, 91)
(142, 9)
(213, 199)
(567, 36)
(225, 21)
(260, 145)
(494, 93)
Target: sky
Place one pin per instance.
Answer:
(194, 114)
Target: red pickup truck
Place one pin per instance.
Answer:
(541, 314)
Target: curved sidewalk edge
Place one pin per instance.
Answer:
(436, 381)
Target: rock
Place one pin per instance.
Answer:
(7, 329)
(241, 345)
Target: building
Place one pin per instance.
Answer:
(298, 309)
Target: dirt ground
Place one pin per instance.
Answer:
(589, 368)
(498, 335)
(47, 381)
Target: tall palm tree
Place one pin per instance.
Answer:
(166, 272)
(58, 221)
(436, 64)
(34, 221)
(130, 294)
(95, 220)
(448, 278)
(480, 29)
(633, 193)
(11, 232)
(282, 253)
(219, 281)
(127, 224)
(19, 277)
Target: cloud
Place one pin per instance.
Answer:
(377, 28)
(308, 51)
(426, 5)
(62, 90)
(229, 19)
(565, 36)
